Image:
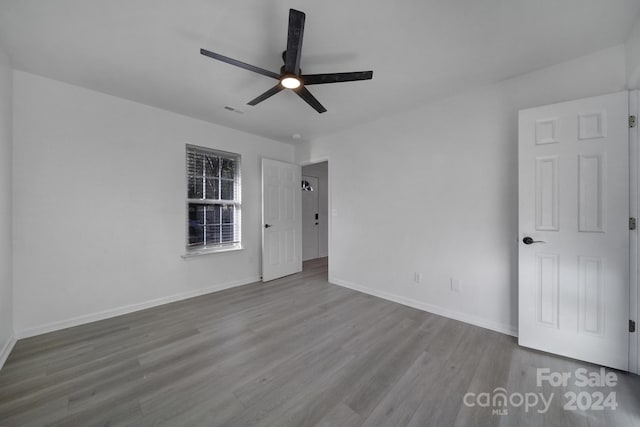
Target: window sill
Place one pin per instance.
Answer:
(199, 252)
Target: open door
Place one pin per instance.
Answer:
(574, 229)
(281, 219)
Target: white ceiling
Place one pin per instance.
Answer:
(419, 50)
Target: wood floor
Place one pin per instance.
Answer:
(294, 352)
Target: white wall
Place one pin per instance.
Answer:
(99, 205)
(434, 190)
(321, 171)
(6, 289)
(632, 50)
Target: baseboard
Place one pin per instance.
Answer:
(6, 350)
(106, 314)
(451, 314)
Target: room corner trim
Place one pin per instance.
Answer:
(106, 314)
(6, 350)
(430, 308)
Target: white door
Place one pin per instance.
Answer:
(281, 219)
(310, 218)
(574, 206)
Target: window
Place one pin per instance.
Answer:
(213, 200)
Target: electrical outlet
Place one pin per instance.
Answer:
(456, 285)
(417, 277)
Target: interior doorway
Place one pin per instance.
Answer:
(315, 211)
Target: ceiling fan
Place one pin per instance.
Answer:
(290, 76)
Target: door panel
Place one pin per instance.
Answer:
(574, 204)
(281, 219)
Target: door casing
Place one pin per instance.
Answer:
(634, 254)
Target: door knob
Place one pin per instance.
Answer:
(267, 225)
(529, 241)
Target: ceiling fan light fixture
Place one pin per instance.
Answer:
(290, 82)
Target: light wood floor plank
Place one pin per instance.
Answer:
(296, 351)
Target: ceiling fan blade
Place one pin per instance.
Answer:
(317, 79)
(294, 42)
(268, 94)
(240, 64)
(304, 93)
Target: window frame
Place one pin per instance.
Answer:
(201, 249)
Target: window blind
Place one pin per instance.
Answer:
(213, 199)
